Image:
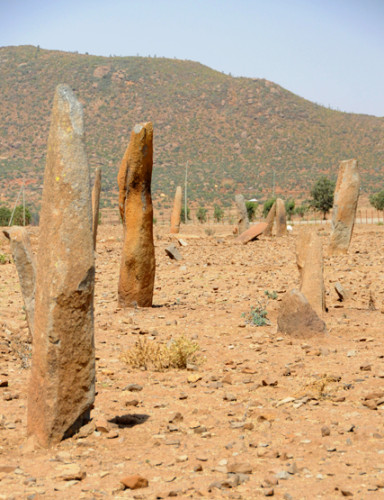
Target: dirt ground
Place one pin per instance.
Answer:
(261, 414)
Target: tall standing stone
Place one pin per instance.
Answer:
(243, 221)
(281, 219)
(137, 271)
(96, 204)
(270, 220)
(309, 258)
(62, 382)
(344, 206)
(176, 212)
(26, 269)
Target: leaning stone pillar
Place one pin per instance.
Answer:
(62, 382)
(243, 221)
(344, 206)
(309, 258)
(137, 271)
(175, 217)
(26, 269)
(281, 219)
(270, 220)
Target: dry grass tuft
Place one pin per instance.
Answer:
(148, 355)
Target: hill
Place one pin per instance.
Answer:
(236, 133)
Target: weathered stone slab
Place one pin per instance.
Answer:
(173, 252)
(309, 258)
(270, 220)
(26, 268)
(281, 219)
(62, 382)
(137, 271)
(96, 204)
(342, 293)
(344, 206)
(252, 233)
(243, 221)
(297, 318)
(175, 217)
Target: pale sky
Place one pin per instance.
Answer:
(328, 51)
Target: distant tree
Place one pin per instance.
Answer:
(218, 213)
(289, 207)
(201, 214)
(322, 195)
(251, 207)
(5, 215)
(377, 200)
(302, 209)
(18, 216)
(268, 205)
(182, 214)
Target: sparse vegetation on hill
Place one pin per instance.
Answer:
(233, 131)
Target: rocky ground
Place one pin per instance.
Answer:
(259, 414)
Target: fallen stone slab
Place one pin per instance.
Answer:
(173, 252)
(296, 317)
(252, 233)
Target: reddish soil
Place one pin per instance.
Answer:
(260, 403)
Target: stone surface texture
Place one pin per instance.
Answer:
(252, 233)
(62, 381)
(281, 219)
(309, 258)
(26, 268)
(344, 206)
(175, 217)
(137, 271)
(297, 318)
(96, 204)
(243, 221)
(270, 220)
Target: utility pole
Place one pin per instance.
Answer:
(185, 193)
(273, 185)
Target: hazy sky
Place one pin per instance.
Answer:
(328, 51)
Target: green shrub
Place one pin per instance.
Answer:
(377, 200)
(322, 195)
(251, 207)
(201, 214)
(267, 206)
(5, 215)
(218, 213)
(289, 207)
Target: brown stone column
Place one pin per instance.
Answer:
(62, 382)
(175, 217)
(270, 220)
(309, 258)
(96, 204)
(243, 221)
(281, 220)
(137, 271)
(344, 206)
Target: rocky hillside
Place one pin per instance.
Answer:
(236, 133)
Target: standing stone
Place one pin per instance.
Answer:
(270, 220)
(252, 233)
(243, 221)
(26, 269)
(309, 258)
(344, 206)
(175, 217)
(96, 204)
(281, 220)
(62, 382)
(137, 271)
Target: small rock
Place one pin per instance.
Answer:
(269, 380)
(71, 472)
(229, 397)
(239, 468)
(133, 388)
(269, 492)
(366, 367)
(283, 474)
(101, 425)
(173, 252)
(132, 402)
(134, 482)
(325, 431)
